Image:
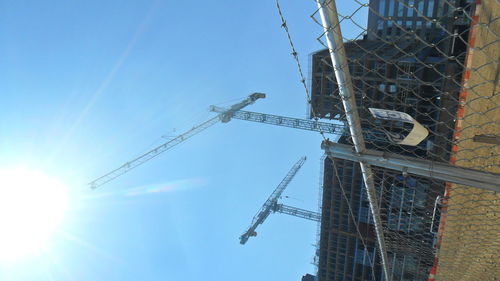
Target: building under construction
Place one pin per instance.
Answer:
(348, 242)
(406, 64)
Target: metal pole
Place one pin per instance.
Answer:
(328, 12)
(406, 164)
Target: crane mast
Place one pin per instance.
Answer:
(270, 203)
(224, 116)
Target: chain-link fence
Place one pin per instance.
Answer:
(419, 78)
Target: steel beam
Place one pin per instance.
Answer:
(421, 167)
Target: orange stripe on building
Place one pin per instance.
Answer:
(458, 126)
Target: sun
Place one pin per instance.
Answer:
(32, 205)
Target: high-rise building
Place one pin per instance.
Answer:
(348, 248)
(393, 18)
(408, 62)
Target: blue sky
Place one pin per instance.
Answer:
(88, 85)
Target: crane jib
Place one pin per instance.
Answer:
(171, 143)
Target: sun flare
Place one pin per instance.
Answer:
(32, 205)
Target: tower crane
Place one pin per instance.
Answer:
(271, 205)
(223, 116)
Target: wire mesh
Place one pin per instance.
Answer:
(436, 61)
(315, 116)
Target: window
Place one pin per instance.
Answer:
(430, 8)
(401, 9)
(381, 87)
(411, 3)
(380, 25)
(391, 8)
(392, 88)
(364, 215)
(381, 7)
(420, 7)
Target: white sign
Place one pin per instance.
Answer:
(391, 115)
(416, 135)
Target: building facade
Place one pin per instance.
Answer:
(408, 62)
(348, 248)
(425, 18)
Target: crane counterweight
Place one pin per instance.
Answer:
(226, 115)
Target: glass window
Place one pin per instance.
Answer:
(410, 10)
(392, 88)
(380, 25)
(430, 8)
(420, 7)
(381, 7)
(401, 9)
(391, 8)
(367, 257)
(364, 215)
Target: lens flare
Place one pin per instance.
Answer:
(183, 184)
(32, 205)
